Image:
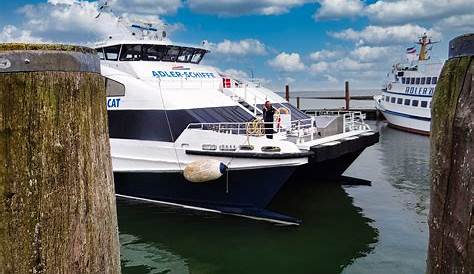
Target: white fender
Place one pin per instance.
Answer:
(204, 170)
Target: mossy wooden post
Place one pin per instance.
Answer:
(57, 204)
(451, 220)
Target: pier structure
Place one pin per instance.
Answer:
(57, 203)
(370, 113)
(451, 220)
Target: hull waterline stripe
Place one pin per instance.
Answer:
(407, 115)
(206, 210)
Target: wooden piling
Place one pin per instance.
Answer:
(57, 204)
(451, 243)
(287, 93)
(298, 102)
(347, 96)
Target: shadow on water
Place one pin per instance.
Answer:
(157, 239)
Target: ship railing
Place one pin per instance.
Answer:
(354, 120)
(297, 129)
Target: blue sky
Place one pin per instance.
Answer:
(312, 45)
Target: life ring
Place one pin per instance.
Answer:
(278, 113)
(271, 149)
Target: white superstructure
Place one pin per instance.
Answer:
(406, 97)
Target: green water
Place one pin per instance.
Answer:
(376, 229)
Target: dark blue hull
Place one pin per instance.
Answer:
(253, 188)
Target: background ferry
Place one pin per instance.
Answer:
(406, 97)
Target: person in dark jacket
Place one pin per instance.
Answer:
(268, 112)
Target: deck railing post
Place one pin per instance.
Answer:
(347, 96)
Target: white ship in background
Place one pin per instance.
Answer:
(406, 97)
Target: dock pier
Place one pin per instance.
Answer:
(370, 113)
(57, 202)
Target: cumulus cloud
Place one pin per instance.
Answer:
(145, 6)
(335, 9)
(400, 11)
(244, 7)
(239, 74)
(11, 34)
(74, 21)
(319, 67)
(371, 54)
(242, 47)
(380, 35)
(325, 55)
(287, 62)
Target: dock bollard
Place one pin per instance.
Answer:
(57, 204)
(451, 221)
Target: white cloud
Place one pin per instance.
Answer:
(74, 21)
(242, 47)
(335, 9)
(319, 67)
(459, 24)
(325, 55)
(399, 11)
(244, 7)
(152, 7)
(370, 54)
(11, 34)
(391, 35)
(288, 62)
(239, 74)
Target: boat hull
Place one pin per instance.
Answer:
(251, 188)
(407, 123)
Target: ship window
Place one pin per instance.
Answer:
(197, 56)
(435, 80)
(100, 53)
(111, 53)
(403, 80)
(417, 80)
(407, 102)
(186, 55)
(399, 101)
(412, 81)
(424, 104)
(428, 80)
(392, 100)
(422, 80)
(153, 52)
(172, 54)
(387, 98)
(414, 103)
(131, 53)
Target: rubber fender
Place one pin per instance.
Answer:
(205, 170)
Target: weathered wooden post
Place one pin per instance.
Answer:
(287, 93)
(347, 95)
(57, 204)
(451, 220)
(298, 102)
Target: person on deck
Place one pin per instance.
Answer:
(268, 112)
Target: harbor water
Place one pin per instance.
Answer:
(380, 228)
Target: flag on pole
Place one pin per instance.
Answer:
(411, 50)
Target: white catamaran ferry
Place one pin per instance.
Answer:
(184, 134)
(406, 97)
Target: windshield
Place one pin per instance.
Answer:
(136, 52)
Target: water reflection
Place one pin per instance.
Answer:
(159, 239)
(406, 159)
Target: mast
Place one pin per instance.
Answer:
(424, 42)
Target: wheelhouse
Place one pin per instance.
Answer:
(151, 52)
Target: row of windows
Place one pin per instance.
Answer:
(151, 53)
(406, 102)
(420, 80)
